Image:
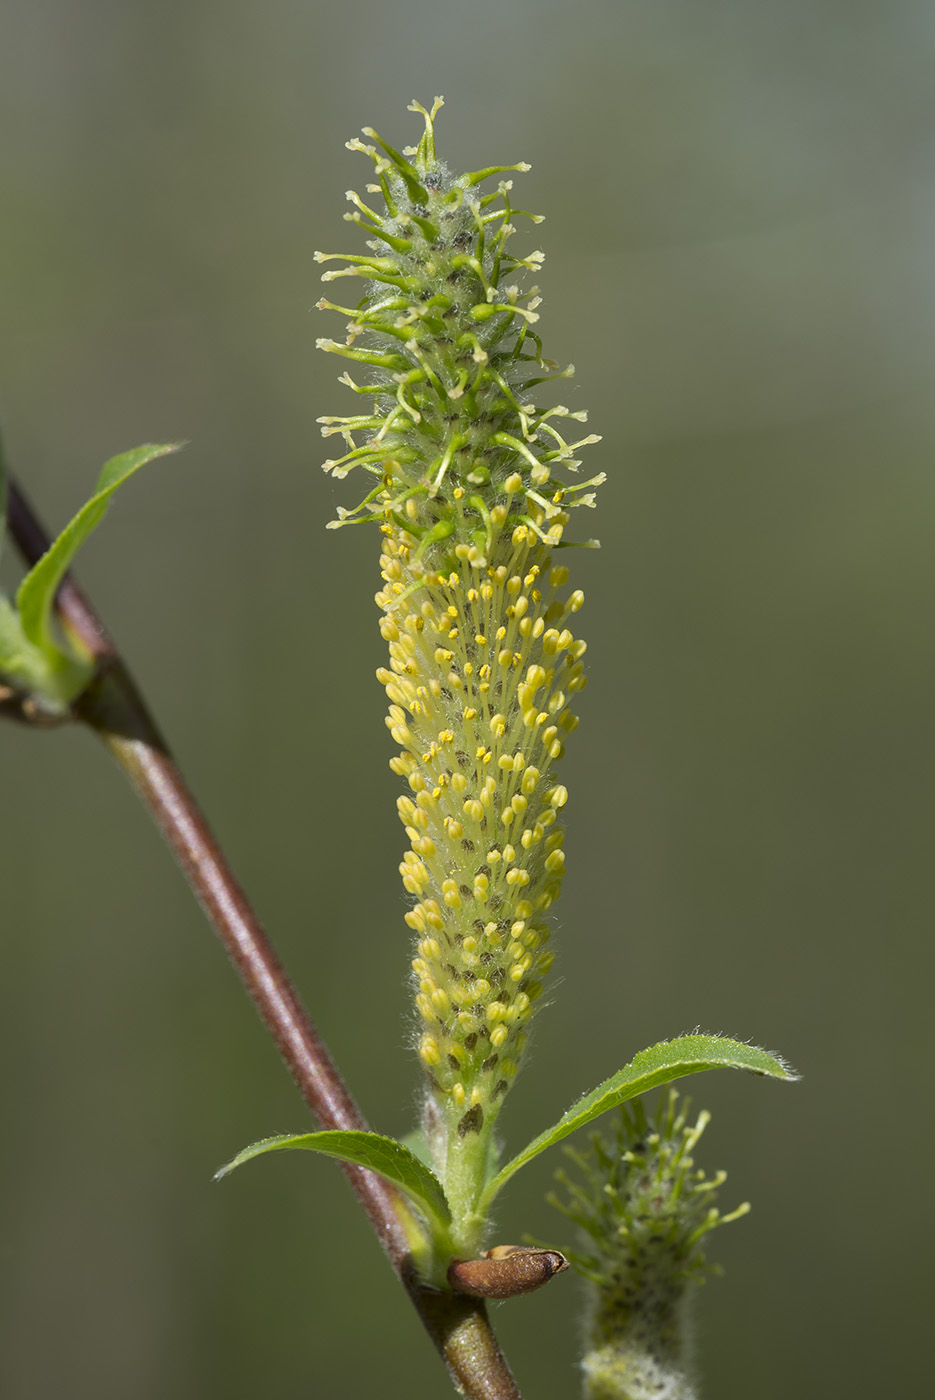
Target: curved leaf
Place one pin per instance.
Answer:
(381, 1154)
(37, 591)
(671, 1059)
(21, 663)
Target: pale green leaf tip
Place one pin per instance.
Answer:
(227, 1168)
(255, 1149)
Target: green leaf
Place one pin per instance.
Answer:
(21, 663)
(671, 1059)
(36, 595)
(381, 1154)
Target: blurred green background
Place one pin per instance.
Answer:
(741, 218)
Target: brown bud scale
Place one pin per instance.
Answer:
(506, 1271)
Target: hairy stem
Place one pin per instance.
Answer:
(113, 708)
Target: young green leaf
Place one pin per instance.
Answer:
(671, 1059)
(381, 1154)
(36, 594)
(20, 662)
